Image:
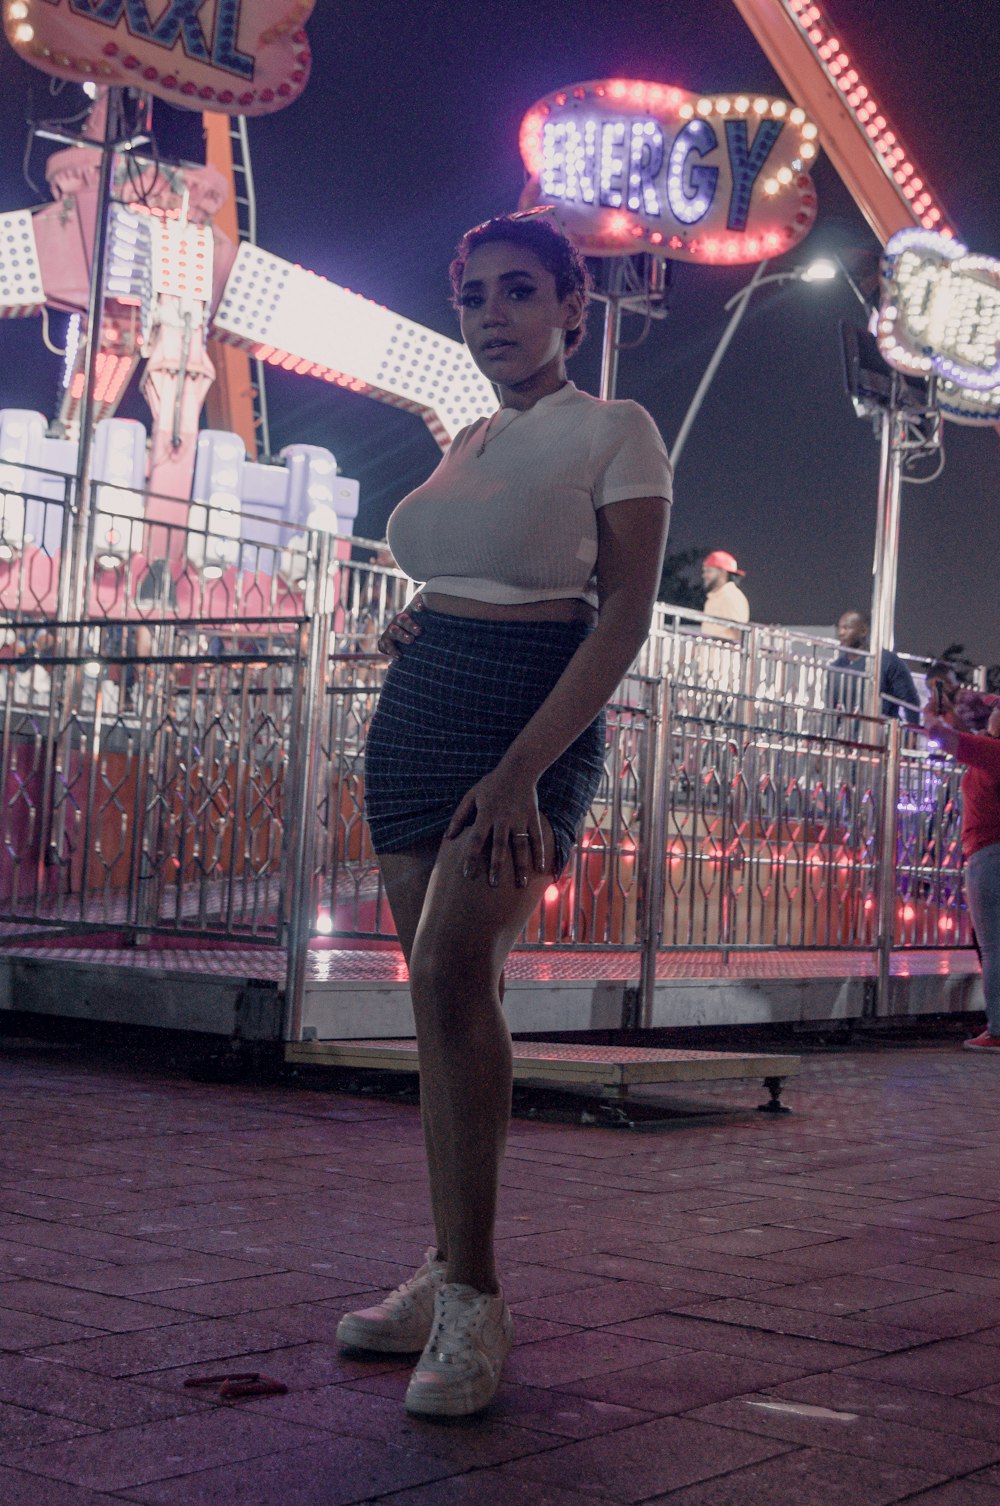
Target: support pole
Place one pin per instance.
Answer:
(886, 891)
(609, 350)
(74, 583)
(884, 567)
(300, 851)
(653, 856)
(743, 300)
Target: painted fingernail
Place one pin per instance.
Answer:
(494, 880)
(468, 871)
(522, 881)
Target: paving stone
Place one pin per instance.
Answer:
(970, 1492)
(610, 1302)
(951, 1366)
(127, 1457)
(687, 1380)
(494, 1487)
(185, 1343)
(843, 1391)
(331, 1472)
(20, 1489)
(807, 1477)
(790, 1320)
(653, 1457)
(91, 1309)
(805, 1354)
(21, 1427)
(855, 1433)
(596, 1351)
(250, 1294)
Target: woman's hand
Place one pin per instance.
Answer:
(506, 829)
(402, 629)
(939, 729)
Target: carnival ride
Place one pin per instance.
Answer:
(192, 769)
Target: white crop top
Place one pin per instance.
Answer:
(519, 522)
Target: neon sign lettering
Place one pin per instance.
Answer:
(638, 166)
(940, 316)
(246, 57)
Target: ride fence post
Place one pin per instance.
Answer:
(653, 856)
(749, 651)
(886, 887)
(304, 791)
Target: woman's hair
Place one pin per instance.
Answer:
(537, 232)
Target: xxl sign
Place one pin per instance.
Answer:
(940, 316)
(239, 57)
(643, 167)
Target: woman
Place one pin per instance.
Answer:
(539, 539)
(956, 720)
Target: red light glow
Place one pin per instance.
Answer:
(838, 67)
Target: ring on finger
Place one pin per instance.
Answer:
(516, 834)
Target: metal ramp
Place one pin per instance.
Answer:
(613, 1069)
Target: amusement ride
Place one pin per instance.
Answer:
(192, 773)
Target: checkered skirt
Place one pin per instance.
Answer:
(450, 707)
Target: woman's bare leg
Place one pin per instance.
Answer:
(406, 876)
(464, 935)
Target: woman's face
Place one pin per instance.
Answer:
(513, 321)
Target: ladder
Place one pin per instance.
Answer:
(246, 219)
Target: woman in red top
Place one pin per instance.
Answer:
(945, 717)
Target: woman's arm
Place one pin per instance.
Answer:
(973, 748)
(631, 540)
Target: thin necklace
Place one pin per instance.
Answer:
(487, 435)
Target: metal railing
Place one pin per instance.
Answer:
(203, 775)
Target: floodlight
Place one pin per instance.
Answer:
(820, 270)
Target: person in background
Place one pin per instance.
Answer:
(847, 674)
(723, 597)
(967, 725)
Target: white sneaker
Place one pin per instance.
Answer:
(400, 1323)
(459, 1370)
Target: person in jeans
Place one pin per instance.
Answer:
(948, 712)
(538, 543)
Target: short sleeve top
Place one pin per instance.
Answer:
(516, 521)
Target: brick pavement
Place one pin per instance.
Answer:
(719, 1312)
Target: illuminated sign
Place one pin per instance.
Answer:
(642, 167)
(237, 57)
(940, 316)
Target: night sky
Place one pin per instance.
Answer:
(407, 134)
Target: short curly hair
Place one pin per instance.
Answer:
(539, 233)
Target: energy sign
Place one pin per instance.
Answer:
(636, 166)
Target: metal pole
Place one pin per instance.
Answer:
(74, 591)
(609, 350)
(887, 869)
(304, 790)
(883, 610)
(655, 855)
(727, 334)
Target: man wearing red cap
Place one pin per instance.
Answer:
(723, 596)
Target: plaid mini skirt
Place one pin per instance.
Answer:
(450, 707)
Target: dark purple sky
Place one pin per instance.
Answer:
(407, 134)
